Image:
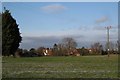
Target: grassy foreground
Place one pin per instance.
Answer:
(61, 67)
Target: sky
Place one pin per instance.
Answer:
(59, 0)
(46, 23)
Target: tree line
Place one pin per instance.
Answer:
(59, 50)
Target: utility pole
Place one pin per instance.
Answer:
(108, 40)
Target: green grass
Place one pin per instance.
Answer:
(61, 67)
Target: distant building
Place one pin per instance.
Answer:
(47, 52)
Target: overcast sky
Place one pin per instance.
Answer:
(46, 23)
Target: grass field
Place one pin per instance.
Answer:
(61, 67)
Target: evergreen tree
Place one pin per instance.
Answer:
(10, 34)
(55, 49)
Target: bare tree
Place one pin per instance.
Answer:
(97, 47)
(40, 51)
(69, 44)
(111, 46)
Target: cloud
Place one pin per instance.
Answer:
(54, 8)
(35, 42)
(114, 29)
(99, 28)
(102, 19)
(84, 36)
(48, 41)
